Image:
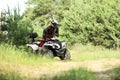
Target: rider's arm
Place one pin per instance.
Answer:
(57, 32)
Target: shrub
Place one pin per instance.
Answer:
(93, 21)
(18, 28)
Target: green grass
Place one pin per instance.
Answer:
(10, 76)
(13, 55)
(79, 74)
(10, 55)
(114, 73)
(89, 52)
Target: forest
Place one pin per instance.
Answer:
(92, 21)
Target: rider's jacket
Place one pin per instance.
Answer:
(49, 33)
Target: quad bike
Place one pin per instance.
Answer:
(52, 48)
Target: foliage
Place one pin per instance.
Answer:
(40, 11)
(81, 21)
(18, 28)
(95, 21)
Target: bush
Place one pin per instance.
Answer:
(93, 21)
(18, 28)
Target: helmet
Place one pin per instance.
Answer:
(53, 20)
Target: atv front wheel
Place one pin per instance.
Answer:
(66, 55)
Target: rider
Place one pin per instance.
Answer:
(50, 31)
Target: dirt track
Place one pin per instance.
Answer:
(99, 67)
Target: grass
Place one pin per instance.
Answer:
(89, 52)
(13, 55)
(10, 76)
(10, 56)
(79, 74)
(115, 73)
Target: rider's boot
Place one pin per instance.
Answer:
(41, 51)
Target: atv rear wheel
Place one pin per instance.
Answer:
(49, 54)
(29, 49)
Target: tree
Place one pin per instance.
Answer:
(40, 11)
(18, 28)
(81, 21)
